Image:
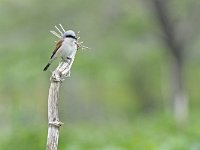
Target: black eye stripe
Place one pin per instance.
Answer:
(71, 36)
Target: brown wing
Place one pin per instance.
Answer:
(58, 45)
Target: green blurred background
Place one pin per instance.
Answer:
(118, 96)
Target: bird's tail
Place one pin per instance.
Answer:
(46, 67)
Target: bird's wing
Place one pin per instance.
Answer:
(58, 45)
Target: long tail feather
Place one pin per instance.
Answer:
(46, 67)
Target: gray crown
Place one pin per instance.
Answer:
(69, 33)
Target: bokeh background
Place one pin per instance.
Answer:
(136, 89)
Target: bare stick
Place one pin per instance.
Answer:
(56, 34)
(59, 30)
(62, 28)
(57, 77)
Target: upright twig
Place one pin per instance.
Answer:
(57, 77)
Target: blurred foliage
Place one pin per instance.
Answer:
(123, 77)
(144, 134)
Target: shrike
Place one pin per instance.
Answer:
(66, 48)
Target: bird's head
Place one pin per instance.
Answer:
(69, 34)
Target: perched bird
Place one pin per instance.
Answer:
(66, 48)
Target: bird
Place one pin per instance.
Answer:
(65, 48)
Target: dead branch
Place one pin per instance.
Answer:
(62, 71)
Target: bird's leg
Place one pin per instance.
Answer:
(69, 60)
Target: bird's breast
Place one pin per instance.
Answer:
(68, 49)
